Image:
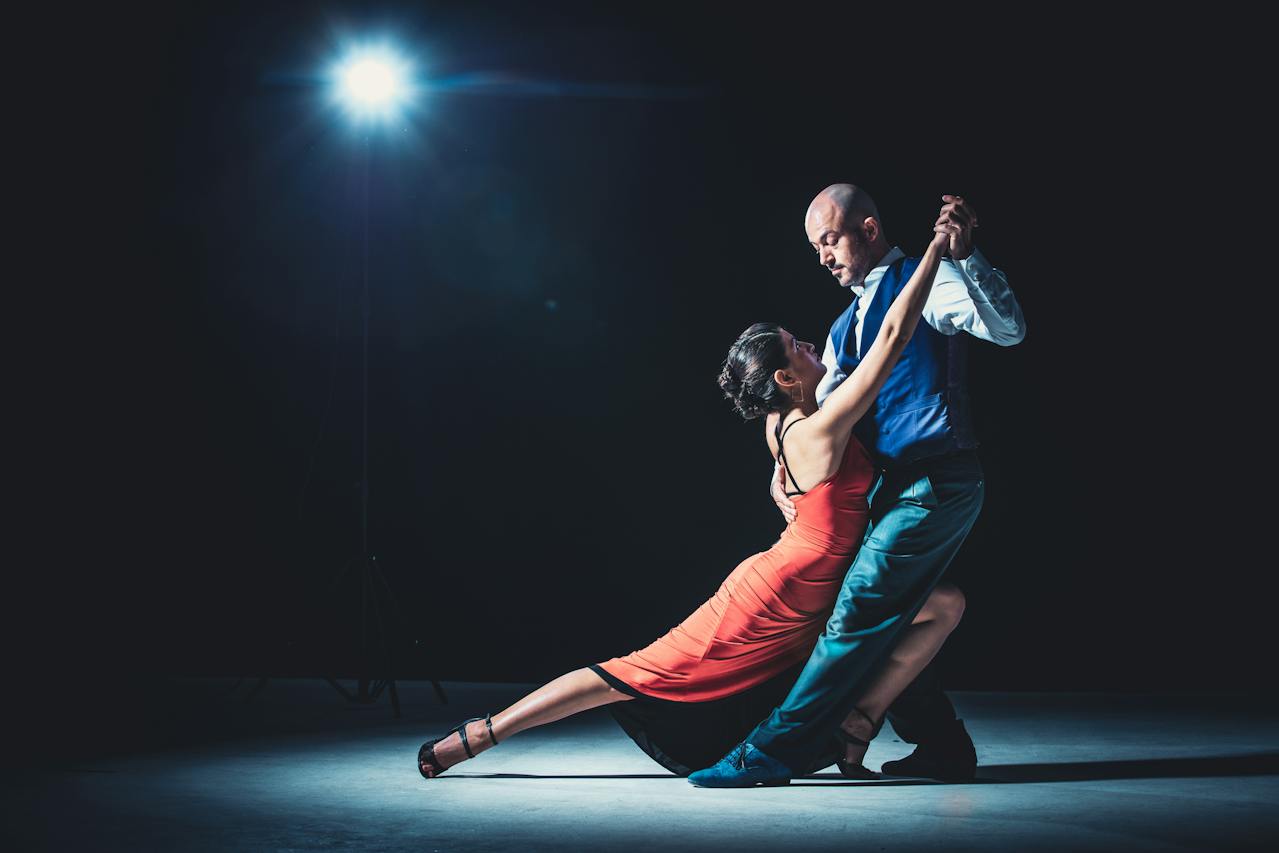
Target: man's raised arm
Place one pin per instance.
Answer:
(971, 295)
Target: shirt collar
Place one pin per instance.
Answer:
(872, 278)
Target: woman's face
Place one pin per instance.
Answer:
(803, 362)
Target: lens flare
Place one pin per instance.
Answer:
(372, 84)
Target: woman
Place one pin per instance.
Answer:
(690, 696)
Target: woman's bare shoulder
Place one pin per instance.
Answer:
(811, 436)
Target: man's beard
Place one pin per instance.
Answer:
(856, 278)
(858, 273)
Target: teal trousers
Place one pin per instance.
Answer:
(920, 515)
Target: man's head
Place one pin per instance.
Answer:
(843, 227)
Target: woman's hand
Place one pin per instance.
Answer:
(957, 221)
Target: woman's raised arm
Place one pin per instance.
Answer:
(854, 396)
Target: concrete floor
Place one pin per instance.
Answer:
(298, 769)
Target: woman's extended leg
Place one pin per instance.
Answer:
(919, 643)
(571, 693)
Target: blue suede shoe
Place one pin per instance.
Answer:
(743, 767)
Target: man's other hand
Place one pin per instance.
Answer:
(959, 220)
(778, 492)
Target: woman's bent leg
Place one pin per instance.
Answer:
(918, 645)
(571, 693)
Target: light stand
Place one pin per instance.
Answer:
(372, 678)
(370, 85)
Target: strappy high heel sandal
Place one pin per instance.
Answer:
(426, 759)
(857, 771)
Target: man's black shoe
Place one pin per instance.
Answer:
(951, 759)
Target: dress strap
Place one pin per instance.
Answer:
(781, 454)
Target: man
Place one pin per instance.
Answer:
(927, 498)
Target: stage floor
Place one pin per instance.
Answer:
(298, 769)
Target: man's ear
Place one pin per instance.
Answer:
(870, 227)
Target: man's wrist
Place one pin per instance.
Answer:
(975, 267)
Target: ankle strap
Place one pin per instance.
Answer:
(845, 737)
(461, 730)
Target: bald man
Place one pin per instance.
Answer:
(927, 497)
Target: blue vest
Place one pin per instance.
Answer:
(923, 409)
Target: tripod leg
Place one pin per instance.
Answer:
(377, 603)
(346, 694)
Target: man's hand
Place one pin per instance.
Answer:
(958, 220)
(778, 491)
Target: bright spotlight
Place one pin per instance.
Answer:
(372, 84)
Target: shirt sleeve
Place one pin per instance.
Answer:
(833, 376)
(972, 296)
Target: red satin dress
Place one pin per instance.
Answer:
(767, 614)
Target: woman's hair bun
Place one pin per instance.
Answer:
(746, 377)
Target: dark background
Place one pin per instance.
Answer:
(555, 279)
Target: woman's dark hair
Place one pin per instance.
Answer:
(747, 376)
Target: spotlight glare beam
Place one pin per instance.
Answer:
(372, 84)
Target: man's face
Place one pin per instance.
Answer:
(841, 247)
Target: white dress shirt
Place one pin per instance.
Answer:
(968, 296)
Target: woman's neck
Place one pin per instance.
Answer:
(802, 409)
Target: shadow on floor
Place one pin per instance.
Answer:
(558, 776)
(1259, 764)
(1262, 764)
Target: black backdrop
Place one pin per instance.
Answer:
(555, 279)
